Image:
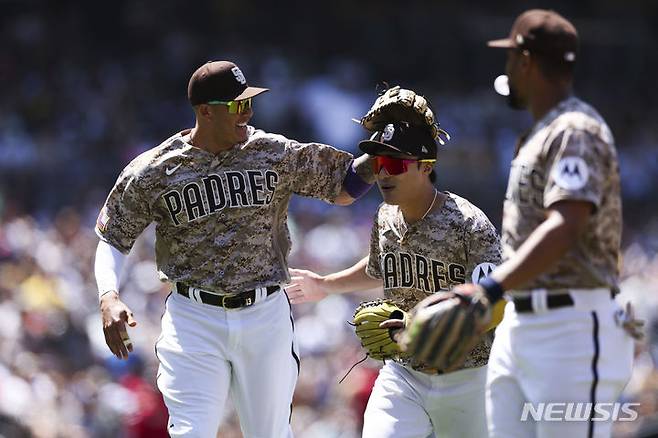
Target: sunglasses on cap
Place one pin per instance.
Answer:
(234, 106)
(394, 166)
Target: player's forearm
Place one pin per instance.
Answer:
(543, 248)
(358, 180)
(108, 266)
(351, 279)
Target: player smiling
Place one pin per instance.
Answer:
(219, 195)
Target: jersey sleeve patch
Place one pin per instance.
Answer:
(571, 173)
(102, 220)
(482, 271)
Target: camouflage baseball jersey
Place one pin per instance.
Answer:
(568, 155)
(221, 220)
(452, 245)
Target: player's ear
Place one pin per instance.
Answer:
(424, 168)
(427, 168)
(203, 111)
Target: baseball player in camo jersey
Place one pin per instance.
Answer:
(563, 338)
(423, 241)
(219, 195)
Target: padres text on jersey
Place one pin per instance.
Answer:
(214, 192)
(451, 246)
(220, 219)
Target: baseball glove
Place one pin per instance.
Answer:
(444, 328)
(399, 104)
(377, 341)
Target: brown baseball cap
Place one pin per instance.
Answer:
(544, 32)
(221, 81)
(401, 140)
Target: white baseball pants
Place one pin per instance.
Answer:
(207, 353)
(409, 404)
(563, 355)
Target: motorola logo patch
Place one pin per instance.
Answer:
(482, 271)
(571, 173)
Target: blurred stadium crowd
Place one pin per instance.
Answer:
(86, 87)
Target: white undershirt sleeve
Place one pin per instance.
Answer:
(108, 267)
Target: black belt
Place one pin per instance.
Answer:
(524, 304)
(230, 301)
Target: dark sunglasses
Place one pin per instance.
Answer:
(394, 166)
(234, 106)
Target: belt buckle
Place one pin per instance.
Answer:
(224, 297)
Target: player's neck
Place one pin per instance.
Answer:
(204, 140)
(547, 98)
(417, 208)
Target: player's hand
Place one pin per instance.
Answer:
(305, 286)
(467, 289)
(115, 315)
(629, 323)
(394, 327)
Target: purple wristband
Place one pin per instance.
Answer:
(493, 289)
(353, 184)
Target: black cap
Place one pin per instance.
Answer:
(544, 32)
(401, 140)
(219, 80)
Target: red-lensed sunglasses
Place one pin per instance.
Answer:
(394, 166)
